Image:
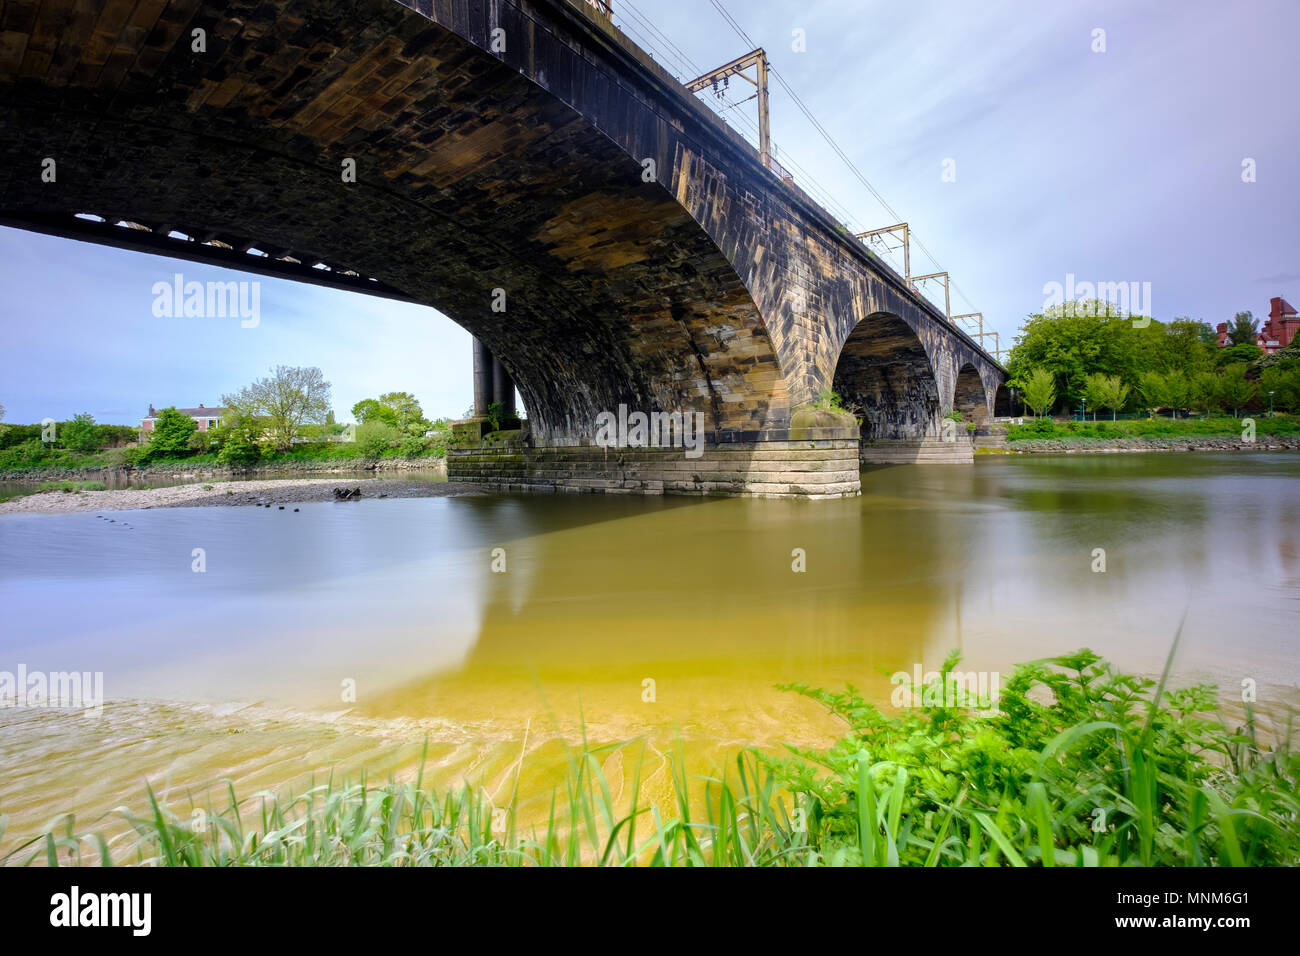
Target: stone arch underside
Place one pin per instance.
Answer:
(470, 178)
(969, 397)
(884, 376)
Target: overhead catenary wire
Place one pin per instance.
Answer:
(835, 147)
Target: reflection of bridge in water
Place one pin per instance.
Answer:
(523, 167)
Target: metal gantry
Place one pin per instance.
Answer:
(947, 303)
(979, 335)
(879, 237)
(756, 59)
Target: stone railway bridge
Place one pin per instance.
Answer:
(522, 167)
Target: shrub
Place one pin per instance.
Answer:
(80, 434)
(376, 439)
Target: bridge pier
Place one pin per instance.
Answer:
(492, 384)
(913, 451)
(817, 457)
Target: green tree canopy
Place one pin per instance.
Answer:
(398, 410)
(80, 434)
(1039, 390)
(1235, 389)
(1243, 329)
(288, 399)
(171, 433)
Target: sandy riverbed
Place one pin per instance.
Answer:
(282, 491)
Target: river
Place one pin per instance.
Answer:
(661, 619)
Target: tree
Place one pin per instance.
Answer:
(1112, 394)
(370, 411)
(80, 434)
(1154, 390)
(1235, 390)
(1245, 352)
(1184, 348)
(398, 409)
(1094, 391)
(1243, 329)
(240, 439)
(1074, 343)
(410, 417)
(1284, 383)
(171, 434)
(374, 438)
(1177, 390)
(288, 399)
(1039, 390)
(1205, 392)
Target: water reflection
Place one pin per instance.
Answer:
(600, 595)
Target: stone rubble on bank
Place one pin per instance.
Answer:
(229, 494)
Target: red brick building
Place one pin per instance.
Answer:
(1278, 331)
(206, 418)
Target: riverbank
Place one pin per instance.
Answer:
(279, 492)
(1204, 443)
(198, 469)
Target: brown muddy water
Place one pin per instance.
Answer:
(658, 620)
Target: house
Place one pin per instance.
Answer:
(1279, 329)
(206, 419)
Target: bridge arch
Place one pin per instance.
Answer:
(478, 191)
(884, 375)
(969, 396)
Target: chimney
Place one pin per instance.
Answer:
(200, 404)
(152, 413)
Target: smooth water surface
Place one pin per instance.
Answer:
(244, 670)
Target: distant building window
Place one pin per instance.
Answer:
(212, 423)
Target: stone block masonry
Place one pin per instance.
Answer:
(817, 468)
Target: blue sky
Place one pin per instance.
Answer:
(1122, 165)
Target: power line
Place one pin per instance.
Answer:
(803, 108)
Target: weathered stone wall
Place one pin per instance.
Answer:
(820, 468)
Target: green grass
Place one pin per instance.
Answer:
(1104, 769)
(1219, 426)
(68, 487)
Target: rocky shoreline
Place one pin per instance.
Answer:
(270, 492)
(206, 472)
(1151, 444)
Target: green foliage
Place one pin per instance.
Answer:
(1234, 389)
(1243, 329)
(370, 411)
(80, 434)
(1234, 354)
(27, 453)
(1284, 382)
(376, 439)
(829, 400)
(68, 487)
(170, 437)
(399, 410)
(289, 398)
(1039, 390)
(1045, 428)
(1079, 766)
(239, 440)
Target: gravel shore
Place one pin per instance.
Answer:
(283, 491)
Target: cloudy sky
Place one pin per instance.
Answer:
(1122, 165)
